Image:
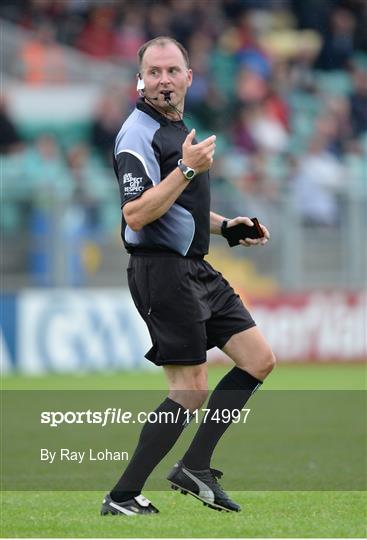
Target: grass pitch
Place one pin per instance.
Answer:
(284, 377)
(264, 514)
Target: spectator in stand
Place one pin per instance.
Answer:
(251, 87)
(337, 111)
(130, 35)
(66, 16)
(293, 54)
(209, 105)
(338, 46)
(301, 73)
(91, 183)
(10, 140)
(276, 108)
(313, 13)
(186, 20)
(199, 47)
(258, 131)
(267, 131)
(263, 120)
(242, 136)
(45, 170)
(98, 37)
(358, 102)
(317, 182)
(360, 10)
(107, 121)
(34, 12)
(42, 60)
(158, 21)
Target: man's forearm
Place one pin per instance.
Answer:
(155, 201)
(215, 223)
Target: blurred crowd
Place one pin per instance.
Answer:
(282, 83)
(114, 29)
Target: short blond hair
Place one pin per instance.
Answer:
(161, 41)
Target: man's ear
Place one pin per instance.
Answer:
(189, 77)
(140, 82)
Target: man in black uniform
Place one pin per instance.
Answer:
(188, 307)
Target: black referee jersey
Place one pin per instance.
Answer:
(147, 149)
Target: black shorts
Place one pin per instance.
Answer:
(187, 305)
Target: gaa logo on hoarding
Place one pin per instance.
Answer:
(67, 331)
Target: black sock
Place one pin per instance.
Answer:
(231, 393)
(155, 441)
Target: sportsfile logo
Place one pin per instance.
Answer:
(132, 184)
(111, 415)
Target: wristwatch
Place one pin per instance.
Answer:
(188, 173)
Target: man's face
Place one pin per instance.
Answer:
(163, 69)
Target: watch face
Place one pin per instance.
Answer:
(190, 174)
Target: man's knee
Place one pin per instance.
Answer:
(190, 399)
(266, 363)
(260, 364)
(193, 395)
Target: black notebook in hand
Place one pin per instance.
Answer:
(241, 231)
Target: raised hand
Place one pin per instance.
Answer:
(198, 156)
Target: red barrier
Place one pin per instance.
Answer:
(314, 327)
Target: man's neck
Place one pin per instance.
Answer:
(173, 115)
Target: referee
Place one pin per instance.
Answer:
(188, 307)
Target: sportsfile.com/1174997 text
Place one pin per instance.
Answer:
(113, 415)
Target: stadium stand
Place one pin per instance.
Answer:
(284, 89)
